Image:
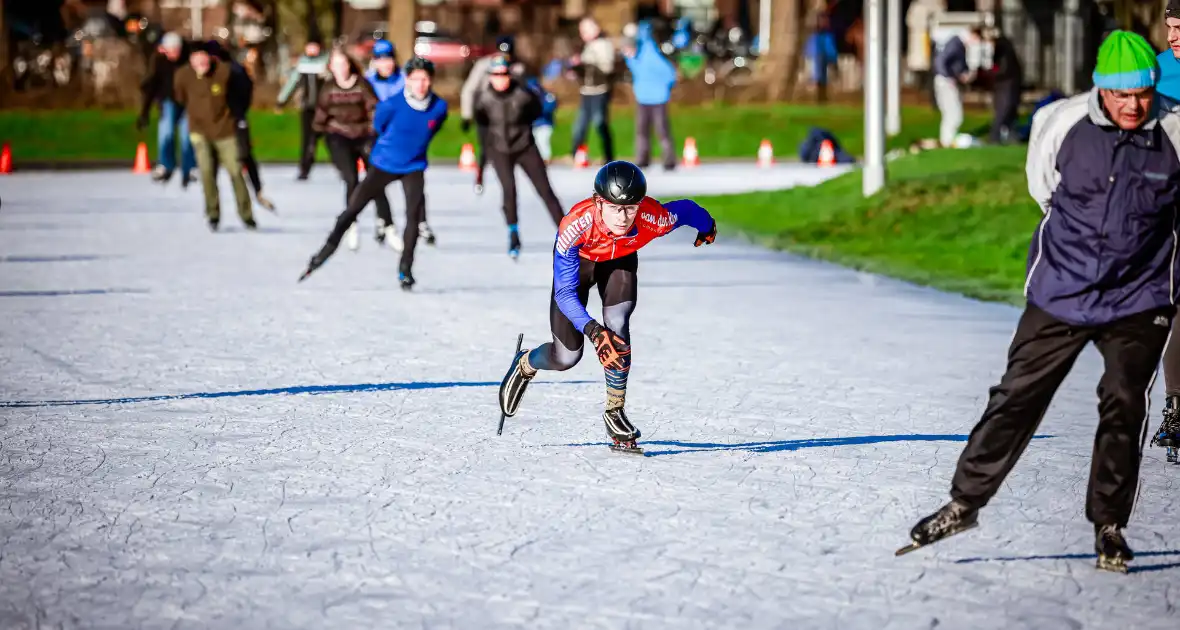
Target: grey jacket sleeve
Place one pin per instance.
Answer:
(477, 77)
(1050, 125)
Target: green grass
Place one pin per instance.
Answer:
(957, 220)
(720, 131)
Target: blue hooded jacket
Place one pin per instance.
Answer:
(1169, 83)
(387, 87)
(652, 75)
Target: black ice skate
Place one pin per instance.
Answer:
(405, 279)
(514, 383)
(620, 429)
(1168, 435)
(1111, 547)
(514, 244)
(316, 261)
(953, 518)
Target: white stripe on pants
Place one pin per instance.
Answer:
(950, 105)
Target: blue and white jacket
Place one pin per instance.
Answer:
(1106, 245)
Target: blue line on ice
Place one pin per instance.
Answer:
(295, 390)
(790, 445)
(4, 294)
(45, 259)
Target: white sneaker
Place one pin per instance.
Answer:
(393, 238)
(353, 237)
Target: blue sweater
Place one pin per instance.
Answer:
(404, 133)
(387, 87)
(1169, 83)
(652, 75)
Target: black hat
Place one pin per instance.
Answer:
(1173, 9)
(620, 182)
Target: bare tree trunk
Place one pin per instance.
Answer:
(780, 68)
(401, 27)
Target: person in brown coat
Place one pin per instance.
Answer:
(344, 116)
(205, 89)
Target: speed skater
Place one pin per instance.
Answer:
(597, 244)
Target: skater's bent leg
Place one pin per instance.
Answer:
(1131, 349)
(1041, 354)
(618, 290)
(343, 158)
(565, 350)
(375, 182)
(533, 166)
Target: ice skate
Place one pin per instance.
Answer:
(161, 175)
(515, 382)
(250, 224)
(353, 237)
(405, 279)
(513, 244)
(265, 202)
(319, 259)
(392, 238)
(953, 518)
(426, 233)
(621, 431)
(1111, 547)
(1168, 435)
(186, 179)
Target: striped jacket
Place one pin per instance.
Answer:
(1106, 245)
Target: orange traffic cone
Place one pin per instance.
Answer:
(691, 157)
(360, 166)
(581, 160)
(467, 158)
(765, 154)
(827, 154)
(141, 160)
(5, 159)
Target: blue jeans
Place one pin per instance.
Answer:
(593, 113)
(171, 117)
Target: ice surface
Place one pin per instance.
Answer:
(323, 455)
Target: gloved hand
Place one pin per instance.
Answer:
(465, 125)
(706, 238)
(610, 347)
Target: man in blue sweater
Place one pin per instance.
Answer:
(405, 126)
(652, 78)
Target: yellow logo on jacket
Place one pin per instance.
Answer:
(216, 89)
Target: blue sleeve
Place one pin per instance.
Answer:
(442, 119)
(383, 116)
(690, 213)
(565, 287)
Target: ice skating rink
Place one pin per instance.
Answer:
(191, 439)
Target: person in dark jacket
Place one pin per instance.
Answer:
(951, 71)
(405, 126)
(477, 79)
(344, 116)
(506, 108)
(205, 89)
(1008, 76)
(308, 74)
(1104, 168)
(241, 97)
(157, 89)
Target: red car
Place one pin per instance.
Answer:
(443, 48)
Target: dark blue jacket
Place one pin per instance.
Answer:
(548, 102)
(951, 61)
(1106, 245)
(387, 86)
(404, 133)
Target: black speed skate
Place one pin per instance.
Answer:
(620, 429)
(953, 518)
(316, 261)
(1112, 549)
(514, 383)
(1168, 435)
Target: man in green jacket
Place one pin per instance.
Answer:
(204, 90)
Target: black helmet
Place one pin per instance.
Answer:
(506, 44)
(621, 183)
(418, 63)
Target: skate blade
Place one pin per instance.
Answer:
(916, 546)
(627, 449)
(1114, 565)
(503, 412)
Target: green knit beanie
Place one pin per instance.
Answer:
(1125, 62)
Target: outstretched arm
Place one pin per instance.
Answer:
(690, 213)
(565, 286)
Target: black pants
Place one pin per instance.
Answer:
(1006, 102)
(481, 134)
(594, 112)
(617, 284)
(645, 117)
(1172, 364)
(309, 140)
(534, 168)
(1042, 353)
(413, 184)
(246, 155)
(345, 152)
